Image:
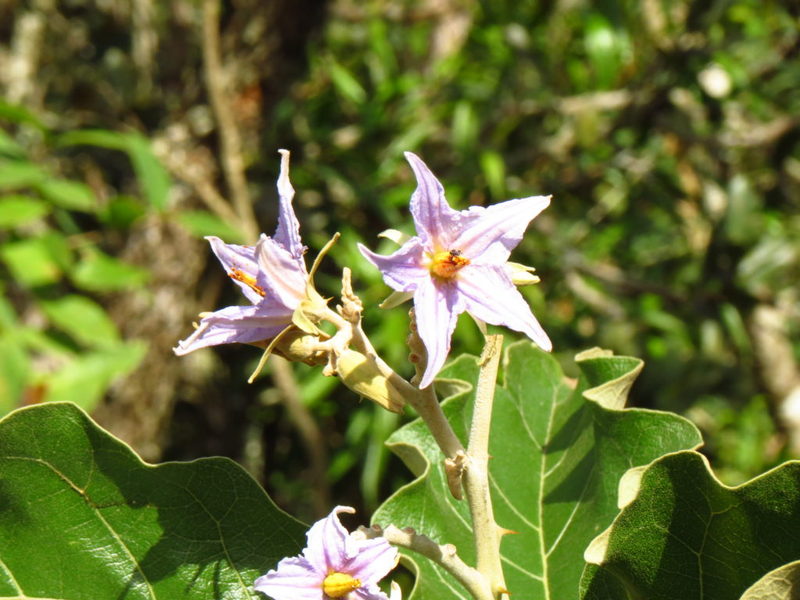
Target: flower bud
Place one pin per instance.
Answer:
(363, 376)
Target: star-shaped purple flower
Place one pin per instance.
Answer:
(456, 263)
(335, 564)
(272, 274)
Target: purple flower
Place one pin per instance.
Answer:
(335, 564)
(458, 262)
(272, 275)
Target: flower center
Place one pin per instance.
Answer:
(447, 263)
(248, 280)
(338, 584)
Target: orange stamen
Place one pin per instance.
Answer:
(248, 280)
(447, 263)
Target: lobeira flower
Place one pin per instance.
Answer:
(272, 275)
(458, 262)
(334, 564)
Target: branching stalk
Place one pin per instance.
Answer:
(443, 555)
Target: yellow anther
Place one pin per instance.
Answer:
(248, 280)
(338, 584)
(447, 263)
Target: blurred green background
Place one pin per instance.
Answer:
(666, 131)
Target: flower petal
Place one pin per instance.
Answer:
(493, 232)
(437, 224)
(402, 270)
(437, 306)
(293, 579)
(329, 543)
(288, 232)
(238, 258)
(490, 295)
(281, 275)
(242, 324)
(375, 558)
(370, 592)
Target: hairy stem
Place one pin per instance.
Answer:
(443, 555)
(476, 473)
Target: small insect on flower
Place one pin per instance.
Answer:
(334, 564)
(458, 262)
(447, 263)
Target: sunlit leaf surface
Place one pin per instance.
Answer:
(84, 518)
(685, 535)
(558, 451)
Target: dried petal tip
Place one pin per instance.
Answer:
(284, 184)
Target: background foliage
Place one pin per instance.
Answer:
(665, 130)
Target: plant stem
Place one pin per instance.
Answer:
(427, 406)
(444, 555)
(485, 531)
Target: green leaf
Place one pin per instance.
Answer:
(152, 176)
(72, 195)
(558, 451)
(346, 84)
(18, 210)
(779, 584)
(16, 113)
(122, 211)
(86, 377)
(95, 137)
(36, 261)
(20, 174)
(494, 170)
(9, 146)
(683, 534)
(84, 518)
(99, 272)
(202, 223)
(15, 371)
(83, 319)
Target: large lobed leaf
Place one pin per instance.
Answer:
(558, 448)
(83, 518)
(684, 535)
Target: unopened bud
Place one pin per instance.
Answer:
(363, 376)
(521, 274)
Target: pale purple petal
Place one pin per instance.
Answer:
(437, 224)
(375, 558)
(241, 258)
(490, 295)
(288, 232)
(294, 579)
(329, 544)
(282, 276)
(242, 324)
(402, 270)
(494, 231)
(437, 306)
(371, 592)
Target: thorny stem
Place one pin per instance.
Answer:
(476, 474)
